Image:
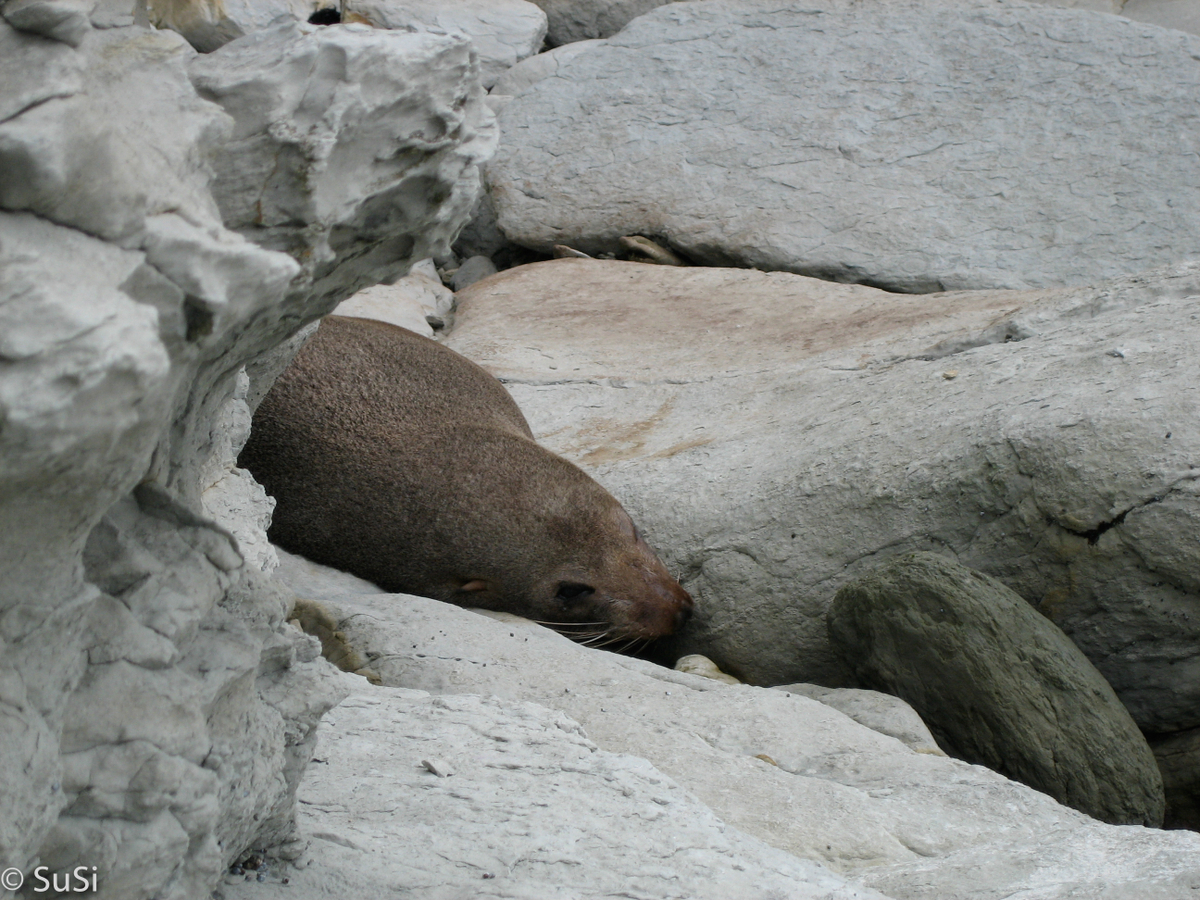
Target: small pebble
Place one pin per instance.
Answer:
(438, 767)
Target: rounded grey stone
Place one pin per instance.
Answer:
(997, 683)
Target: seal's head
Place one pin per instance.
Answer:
(580, 566)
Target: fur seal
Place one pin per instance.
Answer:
(394, 458)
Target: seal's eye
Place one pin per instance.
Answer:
(569, 592)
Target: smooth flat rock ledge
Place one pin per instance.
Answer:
(413, 795)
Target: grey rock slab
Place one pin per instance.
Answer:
(998, 683)
(775, 435)
(502, 32)
(829, 790)
(474, 269)
(913, 145)
(466, 796)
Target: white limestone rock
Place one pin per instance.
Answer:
(883, 816)
(502, 32)
(913, 145)
(774, 435)
(528, 807)
(418, 301)
(67, 160)
(355, 150)
(117, 609)
(156, 710)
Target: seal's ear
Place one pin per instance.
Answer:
(624, 523)
(474, 586)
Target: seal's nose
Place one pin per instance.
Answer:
(684, 606)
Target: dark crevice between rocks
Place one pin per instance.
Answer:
(1093, 534)
(327, 16)
(199, 320)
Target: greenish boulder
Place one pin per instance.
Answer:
(997, 683)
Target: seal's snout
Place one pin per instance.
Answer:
(676, 599)
(665, 605)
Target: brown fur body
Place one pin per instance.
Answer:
(396, 459)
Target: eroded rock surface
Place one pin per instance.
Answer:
(157, 710)
(912, 145)
(359, 178)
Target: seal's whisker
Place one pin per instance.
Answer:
(615, 639)
(581, 635)
(635, 644)
(566, 624)
(596, 640)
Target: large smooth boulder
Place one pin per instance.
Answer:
(156, 710)
(997, 683)
(579, 20)
(913, 145)
(774, 436)
(793, 773)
